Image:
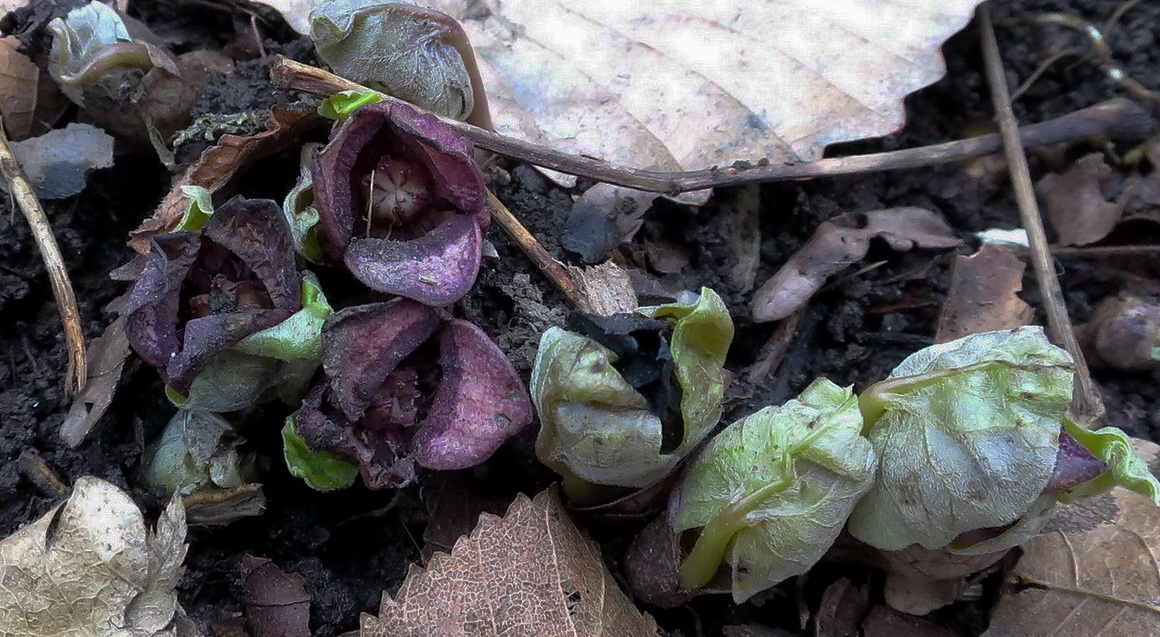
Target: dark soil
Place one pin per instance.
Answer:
(351, 545)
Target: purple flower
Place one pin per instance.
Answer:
(202, 292)
(401, 204)
(405, 386)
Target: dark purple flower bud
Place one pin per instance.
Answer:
(407, 386)
(202, 292)
(401, 203)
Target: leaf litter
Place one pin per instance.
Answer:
(531, 572)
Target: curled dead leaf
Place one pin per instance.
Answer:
(839, 242)
(1076, 205)
(18, 88)
(218, 166)
(529, 573)
(1093, 571)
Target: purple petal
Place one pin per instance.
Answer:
(324, 428)
(1074, 465)
(436, 269)
(361, 345)
(210, 335)
(481, 402)
(151, 312)
(258, 233)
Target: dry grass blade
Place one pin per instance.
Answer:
(66, 302)
(1087, 401)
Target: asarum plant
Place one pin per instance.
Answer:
(623, 409)
(401, 203)
(404, 386)
(222, 312)
(975, 446)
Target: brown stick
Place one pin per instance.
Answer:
(1087, 401)
(66, 302)
(536, 252)
(1113, 118)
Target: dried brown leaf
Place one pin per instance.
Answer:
(884, 621)
(277, 603)
(89, 567)
(529, 573)
(604, 289)
(839, 242)
(18, 82)
(674, 84)
(58, 162)
(841, 610)
(218, 166)
(106, 358)
(983, 295)
(1093, 571)
(1075, 202)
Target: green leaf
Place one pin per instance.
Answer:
(966, 434)
(196, 450)
(322, 470)
(298, 207)
(199, 210)
(701, 338)
(1125, 468)
(771, 492)
(298, 337)
(343, 104)
(398, 48)
(597, 429)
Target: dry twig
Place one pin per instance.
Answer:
(1114, 118)
(1087, 401)
(66, 303)
(532, 248)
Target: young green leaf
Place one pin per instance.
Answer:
(596, 428)
(772, 491)
(967, 434)
(322, 470)
(1124, 467)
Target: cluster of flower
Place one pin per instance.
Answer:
(224, 312)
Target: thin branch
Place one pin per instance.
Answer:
(550, 267)
(1115, 118)
(66, 302)
(1087, 401)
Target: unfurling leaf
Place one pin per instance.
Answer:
(598, 427)
(531, 572)
(197, 450)
(967, 434)
(92, 40)
(414, 53)
(771, 492)
(90, 567)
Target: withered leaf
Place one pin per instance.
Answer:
(90, 568)
(18, 80)
(277, 603)
(1093, 571)
(983, 295)
(1076, 204)
(106, 358)
(839, 242)
(675, 84)
(218, 165)
(529, 573)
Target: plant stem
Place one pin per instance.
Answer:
(1114, 118)
(705, 558)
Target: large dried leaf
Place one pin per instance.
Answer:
(678, 84)
(90, 567)
(529, 573)
(1093, 571)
